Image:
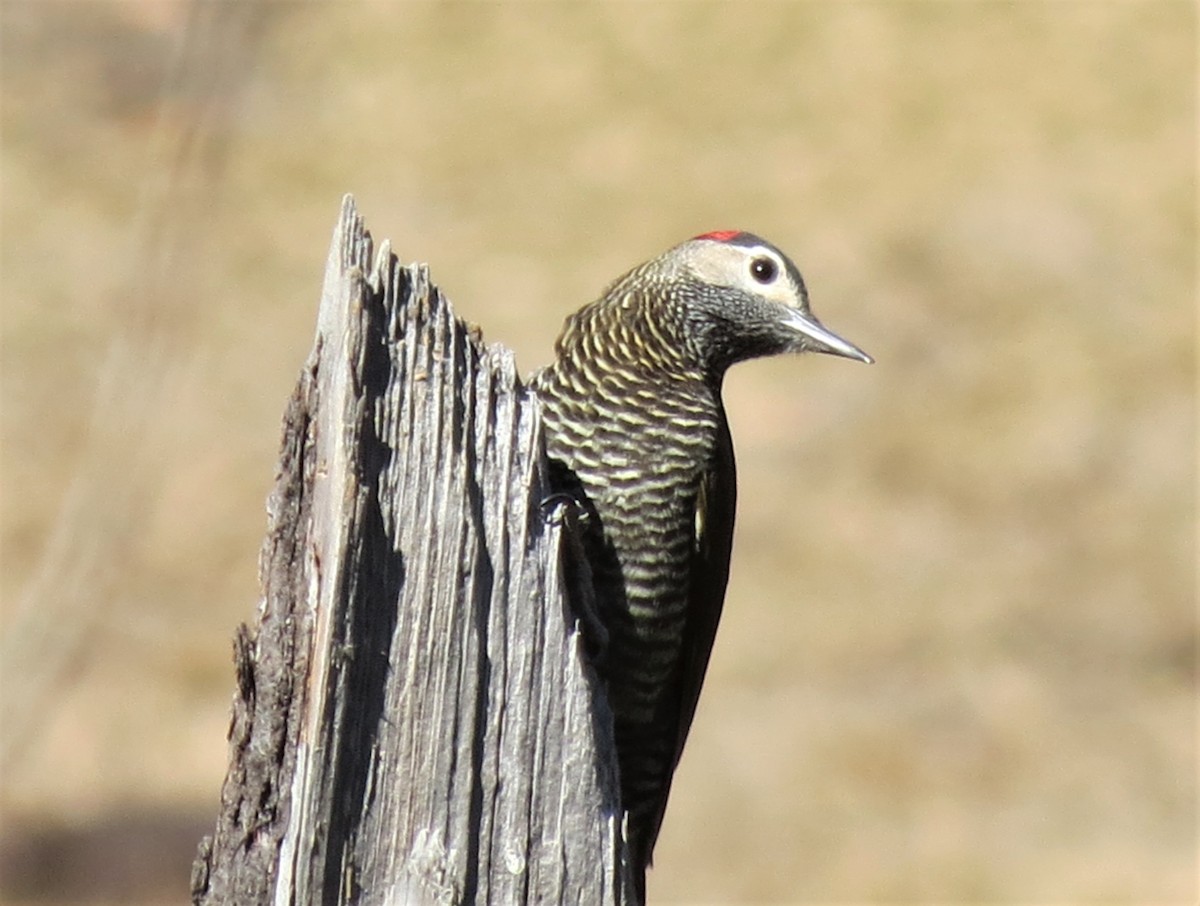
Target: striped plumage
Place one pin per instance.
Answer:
(636, 431)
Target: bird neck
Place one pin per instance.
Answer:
(626, 335)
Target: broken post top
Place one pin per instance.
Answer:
(415, 721)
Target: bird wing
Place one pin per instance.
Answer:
(716, 503)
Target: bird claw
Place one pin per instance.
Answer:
(577, 573)
(562, 505)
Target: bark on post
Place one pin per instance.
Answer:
(415, 721)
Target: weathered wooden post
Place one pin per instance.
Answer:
(415, 721)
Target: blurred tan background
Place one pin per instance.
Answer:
(958, 660)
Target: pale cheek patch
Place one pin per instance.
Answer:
(780, 291)
(730, 266)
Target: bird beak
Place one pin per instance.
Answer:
(821, 339)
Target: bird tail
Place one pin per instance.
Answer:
(639, 846)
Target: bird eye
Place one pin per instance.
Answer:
(763, 270)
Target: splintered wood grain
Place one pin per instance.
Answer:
(436, 735)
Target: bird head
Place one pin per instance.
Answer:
(737, 297)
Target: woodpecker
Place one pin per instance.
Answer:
(636, 432)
